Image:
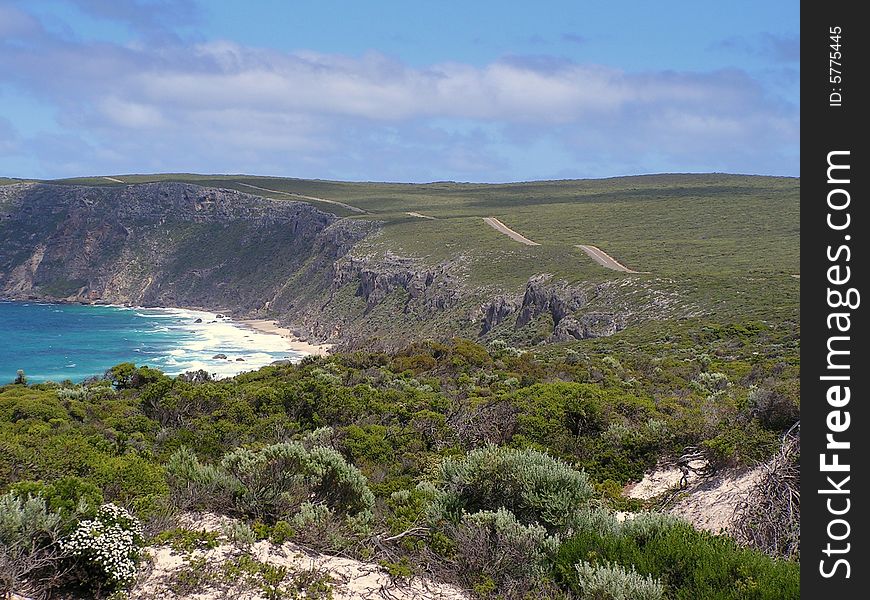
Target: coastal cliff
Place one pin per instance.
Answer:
(179, 244)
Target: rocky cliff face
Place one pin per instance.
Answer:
(174, 244)
(165, 244)
(566, 306)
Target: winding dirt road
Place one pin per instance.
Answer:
(604, 259)
(304, 197)
(113, 179)
(502, 228)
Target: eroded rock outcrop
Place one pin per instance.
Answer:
(566, 305)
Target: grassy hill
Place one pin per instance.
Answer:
(730, 242)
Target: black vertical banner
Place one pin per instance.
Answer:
(835, 419)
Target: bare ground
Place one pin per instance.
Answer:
(304, 197)
(604, 259)
(502, 228)
(350, 579)
(707, 503)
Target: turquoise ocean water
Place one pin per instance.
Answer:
(70, 341)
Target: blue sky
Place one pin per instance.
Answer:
(398, 91)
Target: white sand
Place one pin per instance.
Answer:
(351, 579)
(706, 503)
(268, 326)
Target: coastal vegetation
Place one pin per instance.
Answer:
(493, 468)
(486, 407)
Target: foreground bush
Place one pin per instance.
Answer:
(613, 582)
(38, 553)
(107, 547)
(535, 487)
(690, 564)
(496, 552)
(276, 482)
(30, 558)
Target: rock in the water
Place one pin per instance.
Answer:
(219, 356)
(240, 359)
(198, 321)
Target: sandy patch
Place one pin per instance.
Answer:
(502, 228)
(604, 259)
(707, 503)
(711, 504)
(269, 326)
(420, 215)
(350, 579)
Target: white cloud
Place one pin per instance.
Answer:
(223, 106)
(133, 115)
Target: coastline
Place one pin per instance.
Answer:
(272, 327)
(218, 342)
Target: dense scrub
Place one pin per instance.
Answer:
(453, 456)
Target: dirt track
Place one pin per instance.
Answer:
(420, 216)
(604, 259)
(502, 228)
(115, 180)
(303, 197)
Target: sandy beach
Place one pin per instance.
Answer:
(269, 326)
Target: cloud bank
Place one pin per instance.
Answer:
(218, 106)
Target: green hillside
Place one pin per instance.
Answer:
(726, 241)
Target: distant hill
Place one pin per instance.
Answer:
(380, 264)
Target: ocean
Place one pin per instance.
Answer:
(70, 341)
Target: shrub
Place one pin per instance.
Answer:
(773, 409)
(195, 485)
(494, 547)
(108, 547)
(186, 540)
(690, 564)
(29, 532)
(534, 486)
(71, 498)
(613, 582)
(239, 534)
(274, 482)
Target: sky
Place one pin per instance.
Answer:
(393, 90)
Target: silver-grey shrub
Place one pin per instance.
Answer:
(195, 485)
(535, 487)
(614, 582)
(30, 557)
(493, 546)
(272, 483)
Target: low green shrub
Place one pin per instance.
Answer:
(613, 582)
(186, 540)
(71, 497)
(535, 487)
(690, 564)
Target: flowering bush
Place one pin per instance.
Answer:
(109, 544)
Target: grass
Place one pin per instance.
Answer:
(722, 237)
